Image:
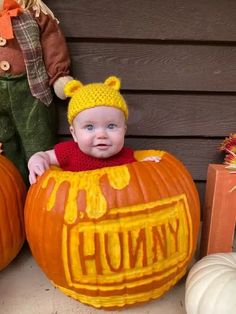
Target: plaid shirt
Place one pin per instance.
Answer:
(27, 33)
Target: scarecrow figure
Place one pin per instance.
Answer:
(33, 58)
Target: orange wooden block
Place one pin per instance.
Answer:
(220, 211)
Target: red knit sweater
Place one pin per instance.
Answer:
(71, 158)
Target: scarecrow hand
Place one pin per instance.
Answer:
(59, 86)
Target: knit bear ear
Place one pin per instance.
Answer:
(113, 82)
(72, 87)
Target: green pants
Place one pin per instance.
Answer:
(26, 124)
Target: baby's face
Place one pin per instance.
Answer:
(99, 131)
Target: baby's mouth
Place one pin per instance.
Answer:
(102, 146)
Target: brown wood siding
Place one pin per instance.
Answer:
(177, 67)
(209, 20)
(177, 63)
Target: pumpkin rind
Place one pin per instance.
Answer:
(211, 285)
(12, 198)
(114, 236)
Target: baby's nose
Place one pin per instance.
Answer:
(101, 133)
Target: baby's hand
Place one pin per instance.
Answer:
(152, 158)
(37, 165)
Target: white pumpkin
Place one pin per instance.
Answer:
(211, 285)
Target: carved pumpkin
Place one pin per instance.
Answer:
(12, 197)
(114, 236)
(211, 285)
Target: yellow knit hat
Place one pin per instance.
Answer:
(93, 95)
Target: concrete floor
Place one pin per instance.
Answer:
(24, 289)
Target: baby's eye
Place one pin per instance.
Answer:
(111, 126)
(89, 127)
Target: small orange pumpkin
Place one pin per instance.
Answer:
(12, 198)
(114, 236)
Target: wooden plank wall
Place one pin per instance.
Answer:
(177, 62)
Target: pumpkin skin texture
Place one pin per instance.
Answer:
(114, 236)
(211, 285)
(12, 198)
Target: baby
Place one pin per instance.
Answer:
(97, 114)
